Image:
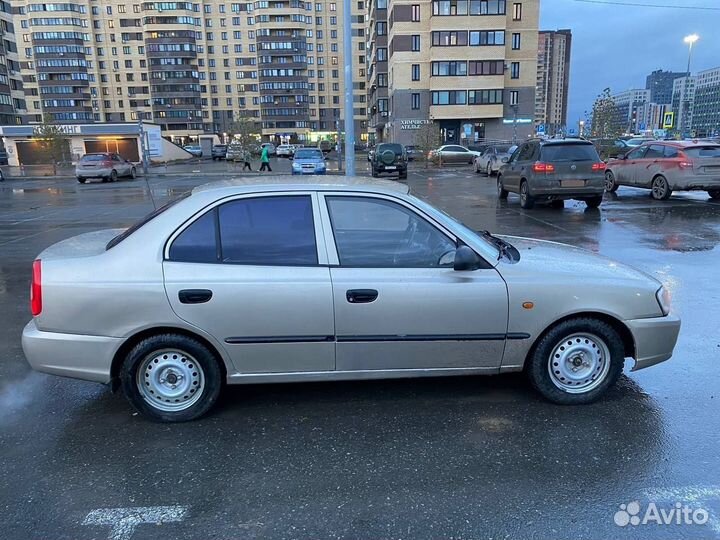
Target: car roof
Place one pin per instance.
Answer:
(681, 144)
(312, 183)
(554, 142)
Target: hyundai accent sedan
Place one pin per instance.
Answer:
(322, 280)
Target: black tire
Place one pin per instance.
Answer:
(502, 193)
(538, 364)
(402, 176)
(526, 200)
(660, 188)
(105, 179)
(595, 202)
(489, 170)
(611, 185)
(113, 176)
(714, 194)
(81, 180)
(558, 205)
(133, 174)
(374, 173)
(2, 176)
(183, 345)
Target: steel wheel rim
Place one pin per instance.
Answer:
(579, 363)
(659, 188)
(609, 181)
(523, 192)
(170, 380)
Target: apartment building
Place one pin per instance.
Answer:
(631, 109)
(553, 81)
(706, 104)
(12, 97)
(190, 67)
(660, 84)
(468, 67)
(682, 103)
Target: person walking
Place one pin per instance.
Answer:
(246, 160)
(265, 160)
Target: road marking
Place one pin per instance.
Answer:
(698, 496)
(123, 521)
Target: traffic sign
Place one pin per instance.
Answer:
(668, 120)
(541, 129)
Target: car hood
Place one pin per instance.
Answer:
(565, 259)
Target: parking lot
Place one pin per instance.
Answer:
(431, 458)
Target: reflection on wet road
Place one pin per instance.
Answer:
(463, 458)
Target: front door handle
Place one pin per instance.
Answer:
(361, 296)
(194, 296)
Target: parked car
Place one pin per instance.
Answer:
(234, 152)
(194, 149)
(667, 166)
(389, 158)
(285, 150)
(634, 142)
(243, 282)
(308, 161)
(325, 146)
(452, 153)
(490, 160)
(553, 171)
(270, 148)
(3, 157)
(412, 152)
(611, 148)
(106, 165)
(219, 151)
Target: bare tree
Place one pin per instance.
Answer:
(52, 141)
(426, 138)
(606, 122)
(244, 130)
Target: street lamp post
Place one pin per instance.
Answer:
(690, 41)
(582, 128)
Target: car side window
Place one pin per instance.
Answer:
(638, 153)
(655, 151)
(377, 233)
(261, 231)
(670, 152)
(515, 154)
(526, 152)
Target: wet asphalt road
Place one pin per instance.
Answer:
(448, 458)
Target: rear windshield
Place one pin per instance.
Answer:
(95, 157)
(308, 154)
(702, 151)
(147, 219)
(392, 147)
(569, 152)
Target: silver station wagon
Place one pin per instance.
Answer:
(333, 279)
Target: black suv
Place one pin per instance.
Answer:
(389, 158)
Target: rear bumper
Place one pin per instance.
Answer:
(69, 355)
(92, 173)
(691, 183)
(654, 339)
(379, 167)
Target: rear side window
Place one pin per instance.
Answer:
(670, 152)
(197, 243)
(569, 152)
(655, 151)
(703, 151)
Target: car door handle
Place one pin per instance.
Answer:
(194, 296)
(361, 296)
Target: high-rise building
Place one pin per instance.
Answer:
(192, 67)
(706, 104)
(553, 80)
(467, 67)
(12, 97)
(630, 109)
(683, 103)
(660, 84)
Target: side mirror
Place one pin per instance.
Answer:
(466, 259)
(505, 160)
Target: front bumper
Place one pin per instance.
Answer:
(654, 339)
(296, 172)
(70, 355)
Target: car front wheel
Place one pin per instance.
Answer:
(714, 194)
(81, 180)
(502, 193)
(611, 185)
(576, 361)
(171, 378)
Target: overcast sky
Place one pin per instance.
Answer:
(618, 46)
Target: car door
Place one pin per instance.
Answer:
(653, 163)
(510, 178)
(398, 302)
(519, 165)
(485, 158)
(252, 273)
(452, 154)
(625, 169)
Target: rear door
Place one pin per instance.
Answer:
(252, 273)
(651, 164)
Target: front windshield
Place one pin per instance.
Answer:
(308, 154)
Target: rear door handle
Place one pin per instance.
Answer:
(361, 296)
(194, 296)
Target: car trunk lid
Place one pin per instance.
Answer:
(82, 245)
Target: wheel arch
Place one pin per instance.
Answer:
(623, 331)
(137, 337)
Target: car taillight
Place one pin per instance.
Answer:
(599, 166)
(540, 167)
(107, 163)
(683, 162)
(36, 289)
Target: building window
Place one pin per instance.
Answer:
(515, 70)
(487, 7)
(415, 43)
(514, 97)
(454, 68)
(450, 7)
(381, 28)
(487, 37)
(382, 54)
(517, 11)
(449, 97)
(415, 72)
(485, 97)
(415, 101)
(415, 13)
(516, 41)
(450, 39)
(486, 67)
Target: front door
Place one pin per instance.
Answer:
(398, 302)
(627, 169)
(248, 272)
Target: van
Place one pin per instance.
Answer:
(325, 146)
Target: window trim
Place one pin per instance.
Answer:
(320, 244)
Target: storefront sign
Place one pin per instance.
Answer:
(413, 124)
(517, 120)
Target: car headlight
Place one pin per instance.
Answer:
(296, 166)
(663, 298)
(320, 166)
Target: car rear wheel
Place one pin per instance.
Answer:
(374, 173)
(526, 200)
(576, 361)
(660, 189)
(171, 378)
(81, 180)
(502, 194)
(402, 176)
(488, 171)
(133, 173)
(558, 205)
(714, 194)
(595, 202)
(611, 186)
(476, 167)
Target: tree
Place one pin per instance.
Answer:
(426, 138)
(52, 141)
(606, 122)
(244, 130)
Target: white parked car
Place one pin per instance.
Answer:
(285, 150)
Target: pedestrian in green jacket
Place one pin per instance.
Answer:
(265, 160)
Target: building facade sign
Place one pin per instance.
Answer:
(413, 124)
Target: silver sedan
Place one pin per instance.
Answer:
(491, 159)
(106, 165)
(325, 280)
